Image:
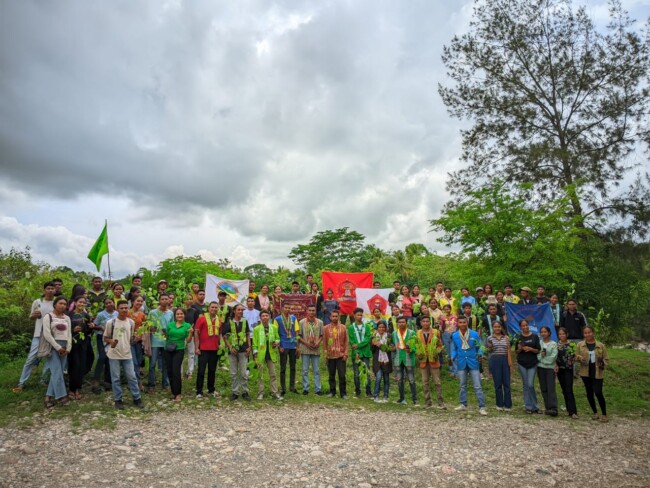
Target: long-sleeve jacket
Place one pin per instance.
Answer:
(360, 335)
(466, 357)
(335, 341)
(263, 339)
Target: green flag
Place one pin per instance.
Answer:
(100, 248)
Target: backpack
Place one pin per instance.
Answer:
(44, 347)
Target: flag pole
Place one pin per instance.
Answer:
(108, 254)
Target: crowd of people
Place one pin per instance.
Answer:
(139, 338)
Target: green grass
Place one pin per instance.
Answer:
(627, 390)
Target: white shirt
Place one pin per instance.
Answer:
(252, 318)
(46, 306)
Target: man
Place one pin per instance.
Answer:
(489, 319)
(449, 300)
(288, 329)
(102, 365)
(159, 318)
(207, 334)
(376, 285)
(467, 298)
(404, 359)
(393, 295)
(310, 335)
(58, 287)
(118, 335)
(310, 282)
(336, 348)
(525, 298)
(541, 298)
(573, 321)
(162, 287)
(96, 297)
(360, 335)
(466, 351)
(251, 290)
(472, 320)
(509, 297)
(428, 355)
(295, 288)
(251, 314)
(238, 341)
(224, 310)
(40, 308)
(136, 281)
(440, 292)
(196, 310)
(266, 342)
(193, 295)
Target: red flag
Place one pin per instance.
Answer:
(298, 303)
(344, 286)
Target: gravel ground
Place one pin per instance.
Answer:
(327, 447)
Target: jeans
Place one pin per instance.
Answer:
(357, 379)
(157, 359)
(137, 353)
(528, 380)
(546, 377)
(209, 359)
(404, 372)
(595, 387)
(333, 366)
(476, 383)
(102, 361)
(77, 363)
(446, 340)
(386, 377)
(500, 372)
(32, 360)
(314, 361)
(565, 377)
(291, 355)
(174, 362)
(238, 363)
(127, 366)
(427, 373)
(56, 386)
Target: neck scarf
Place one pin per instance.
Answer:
(464, 339)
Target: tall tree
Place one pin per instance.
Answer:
(554, 101)
(336, 250)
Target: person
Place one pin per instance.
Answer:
(432, 294)
(467, 298)
(319, 298)
(118, 292)
(102, 366)
(489, 319)
(193, 295)
(405, 359)
(57, 332)
(472, 320)
(360, 335)
(118, 334)
(435, 313)
(376, 285)
(329, 305)
(487, 288)
(554, 301)
(310, 335)
(417, 299)
(266, 342)
(251, 314)
(136, 282)
(564, 371)
(207, 335)
(179, 333)
(429, 347)
(336, 349)
(96, 296)
(381, 360)
(263, 300)
(377, 318)
(224, 310)
(524, 296)
(276, 301)
(394, 295)
(77, 291)
(424, 312)
(251, 290)
(592, 357)
(405, 304)
(466, 351)
(196, 309)
(138, 316)
(448, 325)
(79, 323)
(500, 363)
(440, 291)
(574, 322)
(295, 288)
(527, 347)
(500, 303)
(159, 318)
(480, 297)
(546, 362)
(288, 330)
(449, 300)
(161, 287)
(58, 287)
(40, 308)
(237, 336)
(509, 297)
(310, 283)
(541, 298)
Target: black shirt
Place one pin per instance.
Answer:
(526, 358)
(573, 323)
(592, 365)
(229, 329)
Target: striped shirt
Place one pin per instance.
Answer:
(500, 347)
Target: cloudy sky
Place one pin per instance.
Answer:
(227, 129)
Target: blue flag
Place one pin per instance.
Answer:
(536, 315)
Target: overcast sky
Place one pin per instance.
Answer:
(228, 129)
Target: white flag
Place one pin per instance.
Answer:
(236, 290)
(370, 298)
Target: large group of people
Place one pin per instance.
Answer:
(139, 338)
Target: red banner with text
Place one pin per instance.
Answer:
(344, 286)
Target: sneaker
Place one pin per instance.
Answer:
(246, 397)
(506, 409)
(17, 389)
(460, 408)
(376, 399)
(482, 411)
(305, 392)
(499, 409)
(330, 395)
(260, 396)
(385, 400)
(604, 419)
(138, 403)
(233, 397)
(401, 402)
(119, 404)
(344, 397)
(199, 396)
(279, 398)
(216, 394)
(319, 393)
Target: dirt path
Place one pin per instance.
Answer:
(323, 447)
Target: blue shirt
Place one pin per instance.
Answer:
(466, 358)
(159, 320)
(469, 299)
(287, 341)
(102, 318)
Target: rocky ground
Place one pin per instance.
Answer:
(321, 446)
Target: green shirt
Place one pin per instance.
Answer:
(178, 334)
(361, 335)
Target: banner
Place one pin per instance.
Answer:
(344, 286)
(371, 298)
(298, 303)
(236, 290)
(536, 315)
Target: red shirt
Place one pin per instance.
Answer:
(206, 342)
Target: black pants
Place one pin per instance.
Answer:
(291, 354)
(565, 377)
(334, 365)
(77, 363)
(595, 387)
(209, 359)
(546, 377)
(174, 361)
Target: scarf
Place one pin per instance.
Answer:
(383, 356)
(464, 339)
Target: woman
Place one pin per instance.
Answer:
(328, 306)
(263, 300)
(57, 332)
(381, 360)
(593, 359)
(424, 312)
(276, 301)
(564, 371)
(546, 362)
(527, 347)
(319, 299)
(405, 303)
(179, 333)
(418, 300)
(137, 351)
(118, 292)
(435, 313)
(448, 325)
(556, 309)
(377, 319)
(487, 288)
(80, 326)
(77, 291)
(500, 364)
